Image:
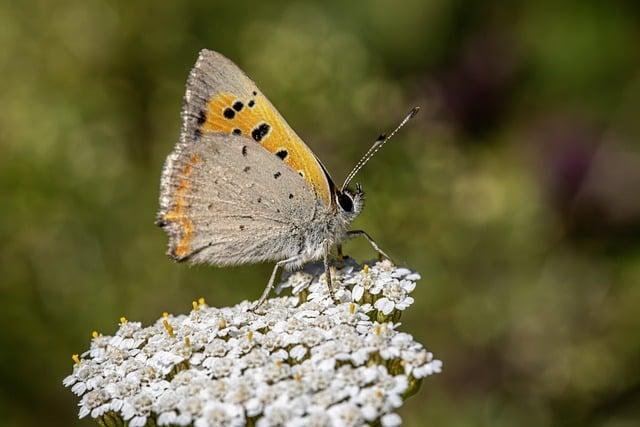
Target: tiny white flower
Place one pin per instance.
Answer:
(314, 419)
(197, 359)
(298, 352)
(277, 413)
(167, 418)
(360, 356)
(239, 390)
(191, 405)
(368, 374)
(312, 337)
(92, 400)
(346, 415)
(256, 358)
(433, 367)
(279, 355)
(217, 414)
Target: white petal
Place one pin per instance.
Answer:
(79, 388)
(369, 412)
(357, 293)
(254, 407)
(84, 411)
(327, 364)
(128, 411)
(70, 380)
(138, 421)
(385, 305)
(116, 404)
(405, 303)
(359, 357)
(401, 272)
(391, 420)
(408, 286)
(166, 418)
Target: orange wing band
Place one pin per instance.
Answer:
(258, 119)
(179, 212)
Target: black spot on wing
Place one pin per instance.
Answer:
(238, 106)
(277, 175)
(202, 117)
(237, 131)
(282, 154)
(251, 103)
(241, 227)
(260, 131)
(247, 168)
(197, 133)
(290, 196)
(244, 150)
(255, 93)
(229, 113)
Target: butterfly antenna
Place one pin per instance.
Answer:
(382, 139)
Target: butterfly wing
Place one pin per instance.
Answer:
(220, 98)
(226, 201)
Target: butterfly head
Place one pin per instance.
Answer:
(350, 202)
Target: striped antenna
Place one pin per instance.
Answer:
(382, 139)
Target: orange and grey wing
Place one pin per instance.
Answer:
(227, 201)
(220, 98)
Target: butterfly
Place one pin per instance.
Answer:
(241, 187)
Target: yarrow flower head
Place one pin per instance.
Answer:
(300, 360)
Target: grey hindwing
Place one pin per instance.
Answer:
(240, 203)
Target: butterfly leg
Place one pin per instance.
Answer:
(355, 233)
(341, 256)
(272, 281)
(327, 269)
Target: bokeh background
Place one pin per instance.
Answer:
(515, 192)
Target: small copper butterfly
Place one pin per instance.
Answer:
(241, 187)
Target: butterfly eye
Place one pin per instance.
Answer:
(345, 201)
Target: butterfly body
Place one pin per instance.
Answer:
(241, 187)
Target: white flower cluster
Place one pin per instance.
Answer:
(301, 360)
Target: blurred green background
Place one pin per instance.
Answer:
(515, 192)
